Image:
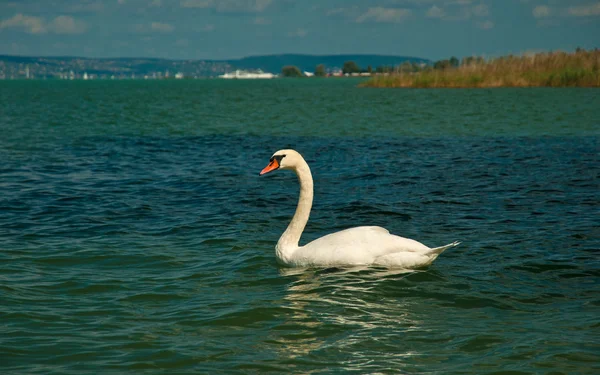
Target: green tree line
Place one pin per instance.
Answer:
(350, 67)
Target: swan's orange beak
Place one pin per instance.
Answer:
(273, 165)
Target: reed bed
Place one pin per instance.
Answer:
(552, 69)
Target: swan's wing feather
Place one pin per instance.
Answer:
(374, 229)
(352, 236)
(360, 245)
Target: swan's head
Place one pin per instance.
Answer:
(283, 159)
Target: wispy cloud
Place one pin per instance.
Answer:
(384, 15)
(541, 11)
(585, 10)
(30, 24)
(545, 11)
(153, 27)
(196, 3)
(226, 6)
(37, 25)
(349, 12)
(435, 12)
(458, 11)
(551, 16)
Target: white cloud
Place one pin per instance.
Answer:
(351, 12)
(541, 11)
(196, 3)
(458, 11)
(31, 24)
(225, 6)
(380, 14)
(37, 25)
(545, 13)
(585, 10)
(485, 25)
(153, 27)
(161, 27)
(435, 12)
(260, 5)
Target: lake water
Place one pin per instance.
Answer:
(136, 236)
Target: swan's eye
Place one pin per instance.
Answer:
(276, 157)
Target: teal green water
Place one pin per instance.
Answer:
(136, 236)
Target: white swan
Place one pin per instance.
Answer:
(354, 246)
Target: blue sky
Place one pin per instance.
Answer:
(223, 29)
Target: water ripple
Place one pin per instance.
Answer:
(137, 237)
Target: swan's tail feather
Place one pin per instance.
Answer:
(438, 250)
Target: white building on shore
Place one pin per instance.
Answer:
(244, 74)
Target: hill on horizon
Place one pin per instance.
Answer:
(274, 63)
(61, 66)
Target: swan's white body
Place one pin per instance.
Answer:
(354, 246)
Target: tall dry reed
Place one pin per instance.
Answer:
(551, 69)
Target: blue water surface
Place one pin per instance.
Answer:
(137, 237)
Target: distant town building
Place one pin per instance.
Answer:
(243, 74)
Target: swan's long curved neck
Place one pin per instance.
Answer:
(288, 242)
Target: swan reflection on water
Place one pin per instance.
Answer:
(342, 309)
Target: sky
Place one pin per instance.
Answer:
(230, 29)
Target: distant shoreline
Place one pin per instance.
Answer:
(554, 69)
(75, 68)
